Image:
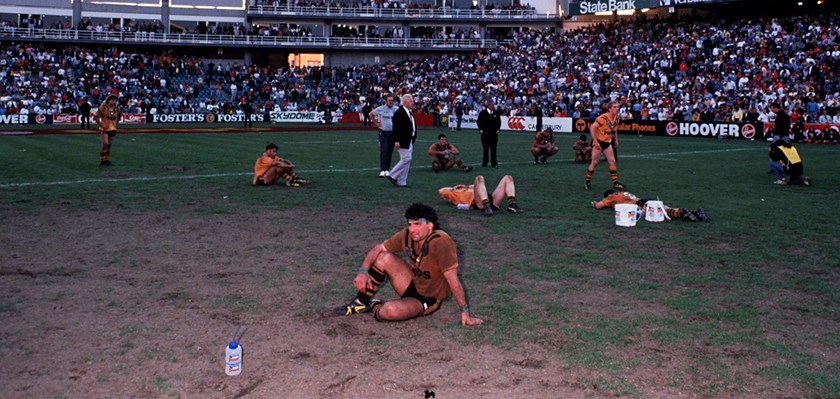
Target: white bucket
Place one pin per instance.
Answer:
(655, 211)
(626, 214)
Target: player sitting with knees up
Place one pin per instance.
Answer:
(612, 197)
(475, 195)
(543, 146)
(269, 168)
(424, 279)
(583, 149)
(445, 156)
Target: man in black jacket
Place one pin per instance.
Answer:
(248, 110)
(782, 122)
(405, 133)
(84, 114)
(489, 123)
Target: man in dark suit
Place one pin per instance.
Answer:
(84, 114)
(366, 121)
(248, 109)
(489, 123)
(405, 132)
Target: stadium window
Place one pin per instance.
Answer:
(304, 60)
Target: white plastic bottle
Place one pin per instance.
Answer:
(233, 358)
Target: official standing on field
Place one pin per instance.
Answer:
(84, 114)
(489, 123)
(383, 116)
(405, 133)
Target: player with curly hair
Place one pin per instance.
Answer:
(426, 276)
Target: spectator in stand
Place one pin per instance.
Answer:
(762, 55)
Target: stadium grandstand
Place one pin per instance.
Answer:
(714, 61)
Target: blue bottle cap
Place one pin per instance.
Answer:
(233, 344)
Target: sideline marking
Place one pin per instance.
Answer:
(330, 170)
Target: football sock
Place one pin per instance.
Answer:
(674, 213)
(614, 174)
(290, 177)
(589, 173)
(377, 277)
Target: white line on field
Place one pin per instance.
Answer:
(306, 171)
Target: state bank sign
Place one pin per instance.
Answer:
(591, 7)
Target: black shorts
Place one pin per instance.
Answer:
(604, 144)
(430, 305)
(110, 133)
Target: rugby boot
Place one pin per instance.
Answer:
(688, 216)
(354, 307)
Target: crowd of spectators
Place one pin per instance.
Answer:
(393, 4)
(657, 69)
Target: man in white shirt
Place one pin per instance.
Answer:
(405, 133)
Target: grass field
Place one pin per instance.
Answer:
(746, 305)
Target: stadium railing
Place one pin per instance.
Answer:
(398, 13)
(243, 40)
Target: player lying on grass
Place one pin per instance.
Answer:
(612, 197)
(475, 195)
